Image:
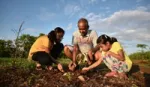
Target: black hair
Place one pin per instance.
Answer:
(85, 21)
(59, 30)
(114, 39)
(103, 39)
(52, 34)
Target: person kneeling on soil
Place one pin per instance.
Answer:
(114, 57)
(83, 40)
(47, 48)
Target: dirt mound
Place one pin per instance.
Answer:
(15, 77)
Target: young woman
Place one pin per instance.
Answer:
(46, 48)
(113, 55)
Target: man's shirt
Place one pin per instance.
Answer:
(85, 43)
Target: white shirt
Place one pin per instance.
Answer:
(85, 43)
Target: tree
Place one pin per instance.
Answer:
(9, 48)
(17, 43)
(26, 42)
(2, 47)
(6, 48)
(142, 46)
(41, 34)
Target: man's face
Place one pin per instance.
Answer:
(82, 28)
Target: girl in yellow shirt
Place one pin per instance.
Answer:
(46, 49)
(113, 55)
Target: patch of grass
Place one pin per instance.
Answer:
(64, 60)
(140, 55)
(24, 63)
(16, 62)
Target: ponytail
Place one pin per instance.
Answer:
(113, 39)
(52, 36)
(103, 39)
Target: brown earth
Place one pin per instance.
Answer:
(16, 77)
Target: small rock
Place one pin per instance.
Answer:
(81, 78)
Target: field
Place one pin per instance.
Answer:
(21, 73)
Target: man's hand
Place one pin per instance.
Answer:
(85, 69)
(72, 66)
(60, 68)
(89, 62)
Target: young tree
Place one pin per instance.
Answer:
(17, 43)
(142, 46)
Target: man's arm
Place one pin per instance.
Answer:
(92, 51)
(95, 36)
(95, 49)
(75, 51)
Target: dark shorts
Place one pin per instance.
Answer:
(44, 59)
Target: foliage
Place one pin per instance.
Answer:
(62, 55)
(6, 48)
(26, 42)
(142, 46)
(140, 55)
(17, 63)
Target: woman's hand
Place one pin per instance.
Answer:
(60, 68)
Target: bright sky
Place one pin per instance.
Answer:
(127, 20)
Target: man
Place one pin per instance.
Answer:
(84, 41)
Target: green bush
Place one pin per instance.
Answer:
(140, 55)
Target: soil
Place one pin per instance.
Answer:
(17, 77)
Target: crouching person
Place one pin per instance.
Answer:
(114, 57)
(84, 40)
(46, 49)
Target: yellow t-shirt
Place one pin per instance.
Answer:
(41, 44)
(115, 48)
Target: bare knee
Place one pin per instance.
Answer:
(66, 49)
(67, 52)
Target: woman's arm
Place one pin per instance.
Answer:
(59, 66)
(120, 56)
(93, 65)
(54, 60)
